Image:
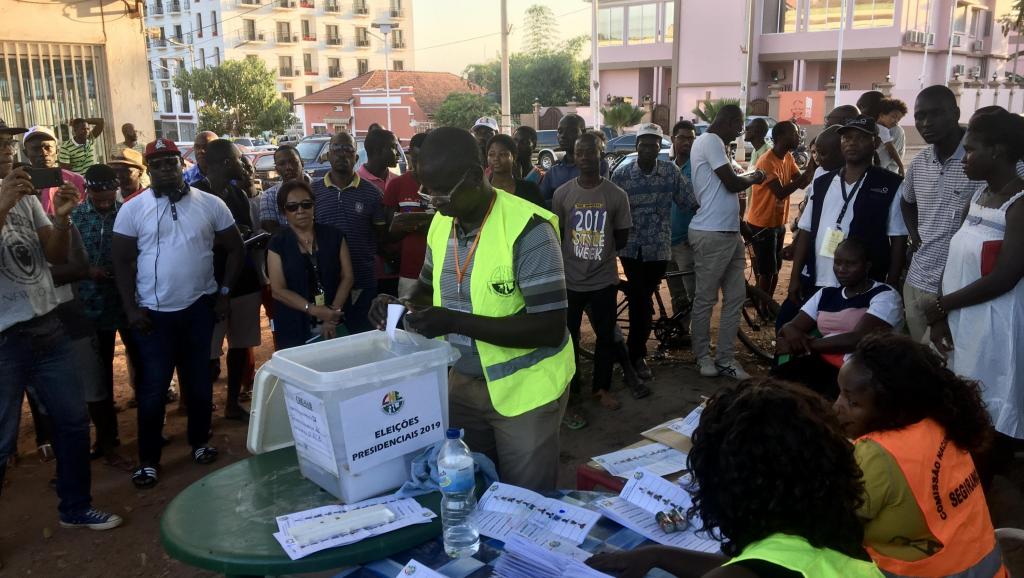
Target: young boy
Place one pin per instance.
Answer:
(890, 154)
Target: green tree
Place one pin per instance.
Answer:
(239, 97)
(1014, 20)
(553, 78)
(461, 109)
(622, 115)
(706, 110)
(541, 30)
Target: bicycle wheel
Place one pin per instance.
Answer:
(757, 332)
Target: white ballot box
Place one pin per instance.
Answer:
(357, 408)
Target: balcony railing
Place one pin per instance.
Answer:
(360, 8)
(334, 73)
(251, 36)
(307, 4)
(163, 74)
(311, 73)
(399, 44)
(287, 38)
(156, 9)
(284, 4)
(250, 2)
(334, 41)
(311, 37)
(287, 72)
(157, 43)
(173, 7)
(363, 43)
(399, 13)
(332, 7)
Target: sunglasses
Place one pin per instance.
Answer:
(447, 198)
(292, 207)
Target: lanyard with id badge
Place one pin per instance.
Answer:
(834, 235)
(460, 271)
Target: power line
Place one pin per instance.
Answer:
(489, 34)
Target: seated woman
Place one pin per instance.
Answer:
(310, 271)
(776, 482)
(501, 159)
(915, 426)
(834, 320)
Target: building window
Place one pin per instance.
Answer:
(213, 22)
(202, 58)
(168, 101)
(184, 102)
(363, 65)
(362, 37)
(397, 39)
(284, 32)
(309, 89)
(917, 15)
(960, 19)
(178, 36)
(974, 23)
(399, 65)
(289, 96)
(334, 67)
(642, 23)
(216, 55)
(609, 26)
(823, 14)
(249, 29)
(873, 13)
(307, 63)
(284, 64)
(668, 22)
(333, 38)
(306, 31)
(199, 25)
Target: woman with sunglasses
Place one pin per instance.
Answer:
(310, 271)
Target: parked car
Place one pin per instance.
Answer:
(625, 144)
(313, 151)
(626, 160)
(254, 144)
(263, 162)
(547, 148)
(749, 148)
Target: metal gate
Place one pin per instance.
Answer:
(661, 116)
(549, 120)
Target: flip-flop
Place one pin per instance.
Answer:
(574, 420)
(145, 477)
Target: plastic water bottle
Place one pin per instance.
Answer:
(458, 500)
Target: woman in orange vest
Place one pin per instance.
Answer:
(915, 426)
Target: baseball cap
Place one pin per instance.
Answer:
(39, 131)
(161, 146)
(127, 157)
(649, 129)
(101, 178)
(4, 129)
(862, 123)
(488, 122)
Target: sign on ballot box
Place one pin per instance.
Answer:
(392, 421)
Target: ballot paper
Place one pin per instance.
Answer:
(542, 555)
(505, 509)
(395, 311)
(655, 457)
(646, 494)
(407, 512)
(418, 570)
(689, 423)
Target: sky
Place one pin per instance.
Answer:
(451, 34)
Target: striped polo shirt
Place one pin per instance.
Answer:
(357, 210)
(79, 156)
(539, 273)
(940, 190)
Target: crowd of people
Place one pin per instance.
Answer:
(174, 260)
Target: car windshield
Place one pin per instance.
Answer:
(309, 150)
(265, 163)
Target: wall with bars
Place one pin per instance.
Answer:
(64, 60)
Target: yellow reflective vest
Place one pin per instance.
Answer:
(796, 554)
(518, 380)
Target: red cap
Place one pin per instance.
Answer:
(161, 146)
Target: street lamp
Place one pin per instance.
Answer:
(385, 29)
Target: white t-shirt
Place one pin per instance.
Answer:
(884, 158)
(886, 306)
(175, 265)
(26, 286)
(719, 208)
(832, 206)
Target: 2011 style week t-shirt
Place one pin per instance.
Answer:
(588, 218)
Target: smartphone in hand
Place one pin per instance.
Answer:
(45, 178)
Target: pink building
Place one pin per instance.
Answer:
(794, 45)
(355, 104)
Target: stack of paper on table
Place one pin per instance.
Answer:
(646, 494)
(538, 554)
(407, 512)
(505, 509)
(676, 433)
(655, 457)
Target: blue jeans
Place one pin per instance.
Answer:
(179, 338)
(37, 353)
(357, 315)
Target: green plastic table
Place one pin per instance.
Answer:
(225, 522)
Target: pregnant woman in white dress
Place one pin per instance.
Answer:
(980, 314)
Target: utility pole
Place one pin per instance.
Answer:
(506, 97)
(839, 53)
(595, 67)
(385, 29)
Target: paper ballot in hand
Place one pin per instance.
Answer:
(395, 311)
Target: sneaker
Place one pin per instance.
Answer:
(92, 519)
(732, 369)
(707, 367)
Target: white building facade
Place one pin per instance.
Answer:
(310, 44)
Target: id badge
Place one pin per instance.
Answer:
(832, 239)
(319, 300)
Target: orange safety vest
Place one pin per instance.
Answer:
(948, 490)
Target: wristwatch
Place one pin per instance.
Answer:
(224, 290)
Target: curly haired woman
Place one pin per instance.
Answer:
(916, 425)
(776, 482)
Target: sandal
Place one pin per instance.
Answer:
(574, 419)
(639, 390)
(204, 455)
(607, 400)
(145, 477)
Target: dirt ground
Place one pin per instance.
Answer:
(32, 543)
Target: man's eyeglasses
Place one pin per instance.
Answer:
(292, 207)
(446, 198)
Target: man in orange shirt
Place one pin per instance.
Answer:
(769, 203)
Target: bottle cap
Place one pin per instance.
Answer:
(453, 433)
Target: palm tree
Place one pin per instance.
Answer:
(711, 107)
(622, 115)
